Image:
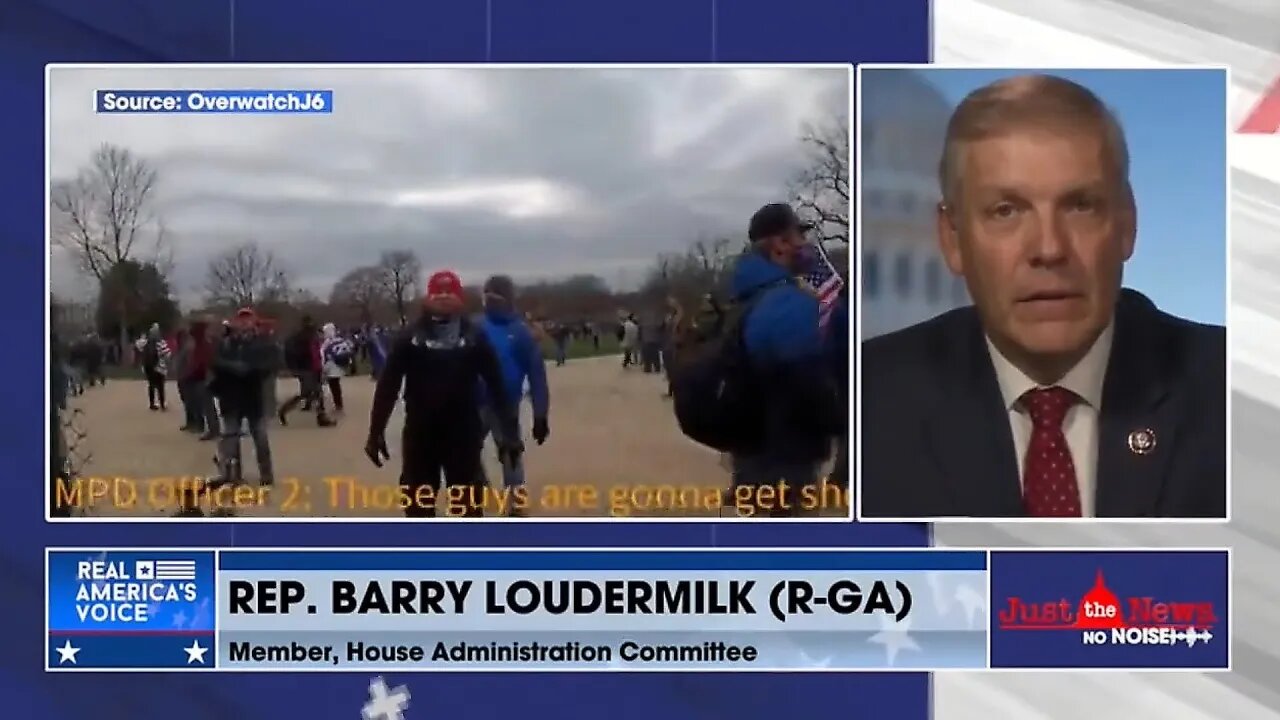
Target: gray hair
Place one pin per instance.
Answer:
(1044, 100)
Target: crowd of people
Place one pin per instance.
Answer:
(461, 378)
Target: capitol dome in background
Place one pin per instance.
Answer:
(904, 280)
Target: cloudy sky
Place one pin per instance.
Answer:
(536, 173)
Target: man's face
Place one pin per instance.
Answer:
(787, 249)
(1041, 231)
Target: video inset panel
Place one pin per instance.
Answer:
(1043, 294)
(378, 292)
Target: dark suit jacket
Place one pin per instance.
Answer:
(936, 440)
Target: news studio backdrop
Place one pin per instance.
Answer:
(895, 32)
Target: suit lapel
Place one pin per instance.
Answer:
(1138, 420)
(968, 433)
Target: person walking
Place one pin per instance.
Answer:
(244, 359)
(521, 361)
(302, 357)
(439, 365)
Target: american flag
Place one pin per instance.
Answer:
(824, 279)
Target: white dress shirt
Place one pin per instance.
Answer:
(1081, 423)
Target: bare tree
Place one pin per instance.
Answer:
(703, 268)
(821, 190)
(400, 273)
(363, 289)
(104, 215)
(246, 275)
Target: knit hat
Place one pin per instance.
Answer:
(502, 286)
(444, 282)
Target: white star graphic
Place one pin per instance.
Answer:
(385, 703)
(973, 602)
(195, 653)
(895, 637)
(66, 653)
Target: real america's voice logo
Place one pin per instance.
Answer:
(1101, 618)
(115, 591)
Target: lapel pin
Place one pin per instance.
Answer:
(1142, 442)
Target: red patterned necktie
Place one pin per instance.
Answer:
(1049, 486)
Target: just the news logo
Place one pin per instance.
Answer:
(1101, 618)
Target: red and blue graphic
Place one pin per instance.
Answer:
(1110, 609)
(120, 610)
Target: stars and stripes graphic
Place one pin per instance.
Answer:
(1264, 118)
(165, 570)
(826, 282)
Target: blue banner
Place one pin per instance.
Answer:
(1110, 609)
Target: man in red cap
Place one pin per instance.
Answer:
(243, 362)
(440, 361)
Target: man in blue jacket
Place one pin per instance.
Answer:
(790, 365)
(521, 359)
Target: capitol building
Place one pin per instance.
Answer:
(904, 279)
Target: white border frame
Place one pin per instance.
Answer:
(1229, 132)
(987, 552)
(854, 318)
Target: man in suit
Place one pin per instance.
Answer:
(1058, 393)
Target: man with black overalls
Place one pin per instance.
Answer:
(439, 361)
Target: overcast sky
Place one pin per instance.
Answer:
(536, 173)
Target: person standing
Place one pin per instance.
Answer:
(439, 362)
(94, 356)
(270, 403)
(155, 360)
(199, 372)
(671, 329)
(1059, 393)
(630, 341)
(179, 369)
(560, 338)
(335, 355)
(799, 414)
(651, 333)
(244, 359)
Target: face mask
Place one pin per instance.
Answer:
(806, 257)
